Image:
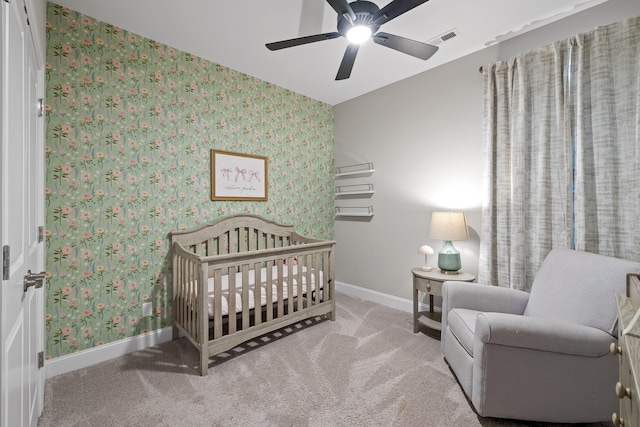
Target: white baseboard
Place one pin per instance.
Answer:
(375, 296)
(85, 358)
(92, 356)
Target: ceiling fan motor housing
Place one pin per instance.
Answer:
(365, 12)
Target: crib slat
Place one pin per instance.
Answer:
(289, 282)
(185, 295)
(279, 286)
(193, 313)
(190, 305)
(246, 313)
(304, 285)
(257, 294)
(242, 239)
(210, 247)
(321, 284)
(217, 303)
(233, 241)
(251, 239)
(269, 290)
(301, 264)
(184, 273)
(223, 243)
(232, 299)
(313, 291)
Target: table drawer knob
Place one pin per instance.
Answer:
(616, 420)
(615, 349)
(622, 391)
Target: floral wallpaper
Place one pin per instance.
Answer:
(130, 126)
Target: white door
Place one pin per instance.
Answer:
(21, 213)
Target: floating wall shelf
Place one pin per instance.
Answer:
(354, 190)
(354, 211)
(362, 168)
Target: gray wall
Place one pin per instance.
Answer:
(424, 137)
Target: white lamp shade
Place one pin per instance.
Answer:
(448, 226)
(426, 250)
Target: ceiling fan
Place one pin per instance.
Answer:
(357, 22)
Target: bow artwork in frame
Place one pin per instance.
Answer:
(237, 176)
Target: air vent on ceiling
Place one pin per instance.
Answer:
(444, 37)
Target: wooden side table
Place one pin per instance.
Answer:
(430, 282)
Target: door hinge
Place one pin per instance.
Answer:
(41, 234)
(41, 360)
(6, 259)
(40, 107)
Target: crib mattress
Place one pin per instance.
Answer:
(262, 287)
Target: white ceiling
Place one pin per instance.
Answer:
(233, 33)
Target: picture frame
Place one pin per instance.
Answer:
(238, 176)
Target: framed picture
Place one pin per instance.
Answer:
(237, 176)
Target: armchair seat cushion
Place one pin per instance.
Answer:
(463, 327)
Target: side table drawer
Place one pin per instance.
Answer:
(432, 287)
(430, 283)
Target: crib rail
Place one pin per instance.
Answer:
(235, 234)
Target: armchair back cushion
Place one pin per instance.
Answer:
(577, 287)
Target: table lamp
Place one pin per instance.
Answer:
(449, 226)
(426, 250)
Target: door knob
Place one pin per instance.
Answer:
(33, 279)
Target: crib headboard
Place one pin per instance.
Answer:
(237, 233)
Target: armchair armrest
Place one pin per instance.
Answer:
(536, 333)
(478, 297)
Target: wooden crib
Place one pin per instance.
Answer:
(243, 276)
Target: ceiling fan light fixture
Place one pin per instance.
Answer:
(358, 34)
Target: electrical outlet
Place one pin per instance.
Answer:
(147, 309)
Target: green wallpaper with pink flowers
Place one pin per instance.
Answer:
(130, 126)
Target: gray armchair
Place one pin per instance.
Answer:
(542, 355)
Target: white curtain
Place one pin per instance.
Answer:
(606, 66)
(557, 119)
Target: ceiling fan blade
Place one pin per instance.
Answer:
(347, 61)
(301, 40)
(408, 46)
(343, 9)
(395, 9)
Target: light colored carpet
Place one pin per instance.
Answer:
(367, 368)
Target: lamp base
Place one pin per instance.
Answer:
(449, 259)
